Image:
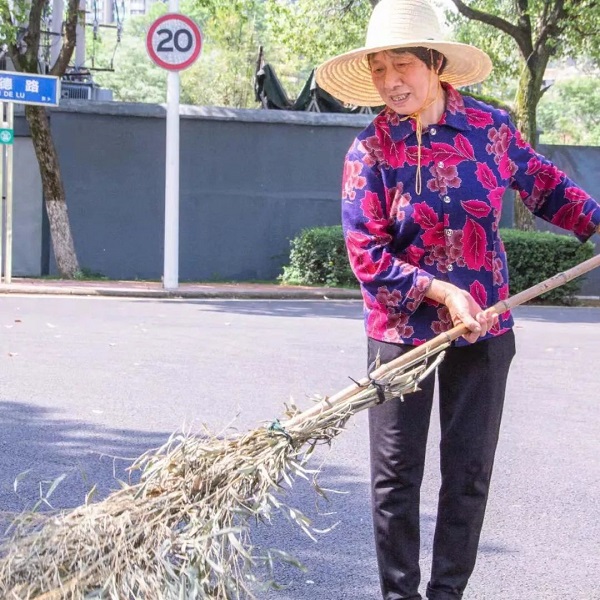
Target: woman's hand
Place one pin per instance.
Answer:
(463, 309)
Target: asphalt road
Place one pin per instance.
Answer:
(86, 383)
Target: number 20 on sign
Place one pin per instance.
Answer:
(174, 42)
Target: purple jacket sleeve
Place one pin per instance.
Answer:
(545, 190)
(368, 231)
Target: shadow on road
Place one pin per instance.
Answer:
(42, 445)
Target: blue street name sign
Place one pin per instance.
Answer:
(29, 88)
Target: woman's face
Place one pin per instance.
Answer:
(403, 81)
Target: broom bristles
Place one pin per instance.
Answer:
(183, 531)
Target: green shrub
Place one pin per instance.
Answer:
(318, 257)
(535, 256)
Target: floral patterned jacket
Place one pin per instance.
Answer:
(398, 241)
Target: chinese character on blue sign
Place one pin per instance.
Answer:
(29, 88)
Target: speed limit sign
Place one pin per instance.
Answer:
(174, 42)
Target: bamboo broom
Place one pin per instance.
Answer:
(183, 531)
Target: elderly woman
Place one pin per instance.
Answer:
(421, 203)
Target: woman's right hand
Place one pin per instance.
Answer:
(463, 309)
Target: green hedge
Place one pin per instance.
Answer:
(535, 256)
(318, 257)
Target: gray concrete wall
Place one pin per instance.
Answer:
(27, 210)
(250, 181)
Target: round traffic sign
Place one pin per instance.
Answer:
(174, 42)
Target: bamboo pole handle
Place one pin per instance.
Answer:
(432, 346)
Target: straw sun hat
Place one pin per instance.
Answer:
(399, 24)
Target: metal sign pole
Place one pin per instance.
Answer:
(171, 266)
(9, 198)
(171, 252)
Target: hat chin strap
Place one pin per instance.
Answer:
(419, 128)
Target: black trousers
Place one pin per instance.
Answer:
(472, 383)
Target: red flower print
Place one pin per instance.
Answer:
(434, 236)
(568, 215)
(412, 155)
(478, 118)
(373, 149)
(464, 147)
(495, 197)
(371, 206)
(453, 155)
(486, 176)
(448, 251)
(507, 167)
(444, 177)
(376, 321)
(547, 177)
(392, 117)
(397, 328)
(364, 266)
(521, 142)
(394, 154)
(444, 323)
(454, 248)
(454, 102)
(396, 200)
(490, 261)
(376, 224)
(533, 166)
(352, 179)
(576, 195)
(497, 269)
(474, 244)
(503, 293)
(387, 298)
(417, 292)
(477, 208)
(500, 140)
(477, 290)
(424, 215)
(412, 255)
(585, 226)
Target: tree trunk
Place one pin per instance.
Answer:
(527, 99)
(54, 192)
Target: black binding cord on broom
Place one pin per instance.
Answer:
(183, 531)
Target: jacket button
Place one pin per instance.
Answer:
(450, 267)
(446, 199)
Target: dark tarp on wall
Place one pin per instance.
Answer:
(269, 91)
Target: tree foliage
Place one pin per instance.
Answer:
(21, 28)
(295, 36)
(569, 113)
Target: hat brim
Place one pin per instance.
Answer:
(347, 77)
